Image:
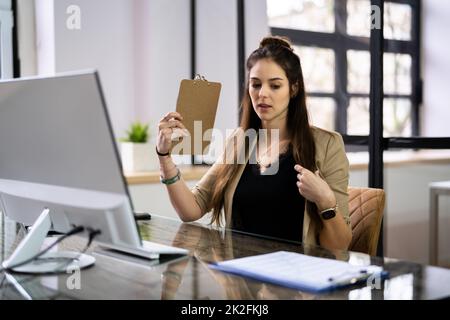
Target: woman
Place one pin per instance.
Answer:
(306, 199)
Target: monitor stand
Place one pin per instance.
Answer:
(50, 262)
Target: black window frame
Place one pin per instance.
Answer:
(340, 42)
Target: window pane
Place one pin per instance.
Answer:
(318, 68)
(397, 19)
(311, 15)
(397, 73)
(321, 112)
(358, 71)
(358, 20)
(397, 118)
(358, 116)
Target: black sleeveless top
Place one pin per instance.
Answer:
(270, 205)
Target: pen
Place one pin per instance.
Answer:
(348, 278)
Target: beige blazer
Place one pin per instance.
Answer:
(331, 161)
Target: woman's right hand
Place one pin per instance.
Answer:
(167, 126)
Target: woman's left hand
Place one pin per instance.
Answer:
(313, 188)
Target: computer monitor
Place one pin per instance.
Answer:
(56, 131)
(59, 159)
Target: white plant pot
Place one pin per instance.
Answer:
(138, 157)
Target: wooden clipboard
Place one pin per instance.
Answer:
(197, 103)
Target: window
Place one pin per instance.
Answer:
(302, 15)
(332, 39)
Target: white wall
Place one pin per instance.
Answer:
(217, 49)
(436, 67)
(162, 56)
(217, 54)
(256, 24)
(407, 211)
(45, 37)
(104, 42)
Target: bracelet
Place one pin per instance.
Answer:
(161, 154)
(171, 180)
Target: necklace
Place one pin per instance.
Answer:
(265, 160)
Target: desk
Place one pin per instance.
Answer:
(117, 277)
(436, 189)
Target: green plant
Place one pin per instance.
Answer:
(138, 133)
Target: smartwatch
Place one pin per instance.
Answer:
(329, 213)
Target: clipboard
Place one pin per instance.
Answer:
(197, 103)
(301, 272)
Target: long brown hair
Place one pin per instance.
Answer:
(279, 50)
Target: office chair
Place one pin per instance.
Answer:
(366, 207)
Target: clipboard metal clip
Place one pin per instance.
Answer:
(201, 78)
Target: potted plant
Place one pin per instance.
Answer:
(136, 152)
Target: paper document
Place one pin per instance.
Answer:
(299, 271)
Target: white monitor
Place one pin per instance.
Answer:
(68, 207)
(59, 164)
(56, 131)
